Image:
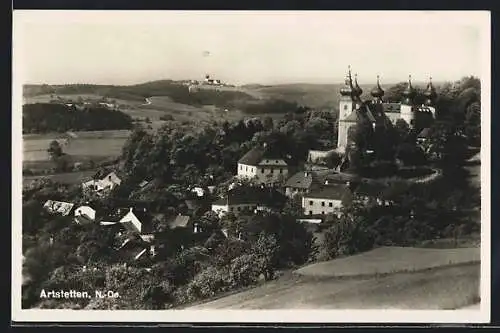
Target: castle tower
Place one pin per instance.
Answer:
(377, 92)
(347, 106)
(407, 108)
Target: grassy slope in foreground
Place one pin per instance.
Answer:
(440, 287)
(385, 260)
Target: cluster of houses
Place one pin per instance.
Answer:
(322, 191)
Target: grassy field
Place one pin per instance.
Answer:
(446, 279)
(385, 260)
(95, 143)
(451, 287)
(64, 178)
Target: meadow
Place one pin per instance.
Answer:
(97, 143)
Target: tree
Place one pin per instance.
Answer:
(350, 234)
(55, 150)
(266, 248)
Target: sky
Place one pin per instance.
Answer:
(129, 47)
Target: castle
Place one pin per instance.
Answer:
(378, 112)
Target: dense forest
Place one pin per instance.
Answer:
(47, 117)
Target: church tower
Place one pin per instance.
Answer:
(348, 100)
(377, 92)
(407, 108)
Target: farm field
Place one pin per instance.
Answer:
(92, 143)
(64, 178)
(434, 287)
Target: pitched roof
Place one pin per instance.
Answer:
(252, 195)
(262, 156)
(340, 178)
(58, 207)
(302, 179)
(178, 221)
(424, 133)
(331, 192)
(253, 156)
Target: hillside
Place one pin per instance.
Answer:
(398, 278)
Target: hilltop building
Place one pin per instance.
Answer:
(377, 111)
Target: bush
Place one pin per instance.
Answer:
(347, 237)
(208, 283)
(245, 270)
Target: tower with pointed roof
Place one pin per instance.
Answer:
(347, 106)
(407, 105)
(430, 94)
(377, 92)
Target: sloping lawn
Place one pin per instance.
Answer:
(385, 260)
(451, 287)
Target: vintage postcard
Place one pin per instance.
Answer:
(251, 166)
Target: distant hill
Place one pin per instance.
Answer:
(306, 94)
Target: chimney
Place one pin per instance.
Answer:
(306, 174)
(131, 209)
(326, 182)
(264, 144)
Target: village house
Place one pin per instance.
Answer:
(262, 166)
(58, 207)
(85, 215)
(104, 185)
(135, 233)
(327, 200)
(301, 183)
(248, 199)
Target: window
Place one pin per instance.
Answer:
(246, 168)
(310, 212)
(322, 213)
(322, 204)
(310, 203)
(272, 170)
(277, 161)
(330, 204)
(281, 170)
(345, 106)
(241, 167)
(262, 170)
(238, 208)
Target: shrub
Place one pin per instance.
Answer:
(347, 237)
(208, 283)
(246, 269)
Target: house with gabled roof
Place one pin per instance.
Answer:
(104, 185)
(301, 183)
(249, 199)
(58, 207)
(327, 200)
(85, 214)
(264, 166)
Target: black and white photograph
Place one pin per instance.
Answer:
(191, 166)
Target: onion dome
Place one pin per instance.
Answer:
(377, 91)
(357, 89)
(409, 92)
(430, 93)
(348, 89)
